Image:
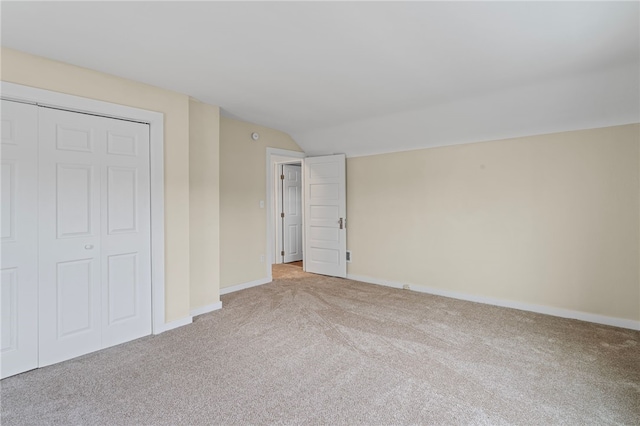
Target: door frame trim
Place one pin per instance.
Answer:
(271, 162)
(155, 120)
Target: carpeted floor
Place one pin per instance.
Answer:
(308, 349)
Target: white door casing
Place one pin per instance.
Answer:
(95, 281)
(18, 264)
(325, 215)
(292, 209)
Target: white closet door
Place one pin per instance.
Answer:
(95, 284)
(69, 200)
(18, 265)
(126, 233)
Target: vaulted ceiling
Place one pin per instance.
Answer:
(362, 77)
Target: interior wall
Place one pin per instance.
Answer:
(204, 208)
(550, 220)
(242, 187)
(21, 68)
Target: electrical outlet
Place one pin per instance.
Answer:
(348, 256)
(406, 287)
(262, 258)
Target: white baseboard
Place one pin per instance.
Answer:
(558, 312)
(243, 286)
(188, 320)
(205, 309)
(174, 324)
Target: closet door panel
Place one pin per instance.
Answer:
(19, 238)
(95, 239)
(126, 237)
(69, 237)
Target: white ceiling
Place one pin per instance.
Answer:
(362, 77)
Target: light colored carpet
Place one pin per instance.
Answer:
(309, 349)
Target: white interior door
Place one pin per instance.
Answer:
(292, 209)
(126, 233)
(69, 208)
(325, 215)
(94, 244)
(18, 264)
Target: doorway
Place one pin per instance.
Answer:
(276, 160)
(289, 213)
(323, 212)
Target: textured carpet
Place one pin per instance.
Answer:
(309, 349)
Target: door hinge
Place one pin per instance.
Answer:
(281, 214)
(282, 253)
(281, 177)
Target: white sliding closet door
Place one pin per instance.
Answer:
(94, 235)
(18, 264)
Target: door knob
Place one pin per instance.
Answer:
(88, 246)
(341, 221)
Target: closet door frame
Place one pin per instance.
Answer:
(155, 120)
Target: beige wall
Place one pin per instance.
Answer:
(550, 220)
(21, 68)
(242, 187)
(204, 179)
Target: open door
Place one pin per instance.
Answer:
(325, 215)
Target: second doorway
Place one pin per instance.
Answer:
(289, 213)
